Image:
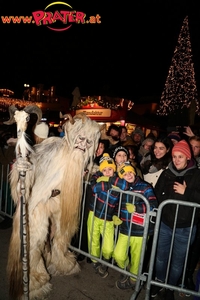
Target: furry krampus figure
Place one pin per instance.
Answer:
(53, 193)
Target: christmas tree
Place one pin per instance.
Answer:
(179, 99)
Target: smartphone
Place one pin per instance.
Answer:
(179, 179)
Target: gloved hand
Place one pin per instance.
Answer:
(103, 178)
(115, 187)
(130, 207)
(116, 220)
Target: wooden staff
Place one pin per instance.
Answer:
(23, 235)
(21, 117)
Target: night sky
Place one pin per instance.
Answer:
(127, 55)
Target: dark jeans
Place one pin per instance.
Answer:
(178, 252)
(194, 253)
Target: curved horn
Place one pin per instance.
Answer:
(67, 116)
(81, 116)
(34, 109)
(12, 109)
(61, 115)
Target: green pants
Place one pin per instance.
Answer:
(95, 230)
(122, 249)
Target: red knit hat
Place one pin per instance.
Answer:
(182, 147)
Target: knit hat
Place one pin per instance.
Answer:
(139, 131)
(126, 167)
(174, 136)
(118, 149)
(42, 130)
(106, 161)
(147, 140)
(182, 147)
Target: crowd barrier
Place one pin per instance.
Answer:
(144, 277)
(80, 244)
(6, 203)
(150, 280)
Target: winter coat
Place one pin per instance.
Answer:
(102, 189)
(153, 167)
(153, 177)
(145, 189)
(164, 190)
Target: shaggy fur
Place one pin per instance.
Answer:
(56, 163)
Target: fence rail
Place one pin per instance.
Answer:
(6, 203)
(150, 281)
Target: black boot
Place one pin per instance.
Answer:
(103, 269)
(193, 259)
(189, 283)
(169, 295)
(80, 257)
(125, 283)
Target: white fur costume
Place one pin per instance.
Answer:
(53, 192)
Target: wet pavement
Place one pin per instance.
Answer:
(82, 286)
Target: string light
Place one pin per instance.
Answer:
(89, 102)
(99, 102)
(180, 88)
(130, 105)
(6, 102)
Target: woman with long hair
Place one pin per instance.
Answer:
(157, 161)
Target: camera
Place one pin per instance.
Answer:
(179, 179)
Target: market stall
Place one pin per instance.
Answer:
(109, 110)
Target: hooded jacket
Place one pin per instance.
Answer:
(103, 209)
(145, 189)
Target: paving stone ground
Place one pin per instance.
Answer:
(82, 286)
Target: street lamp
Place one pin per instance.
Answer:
(27, 91)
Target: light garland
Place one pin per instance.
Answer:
(89, 102)
(93, 102)
(98, 102)
(6, 102)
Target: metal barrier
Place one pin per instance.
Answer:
(150, 280)
(6, 203)
(144, 278)
(141, 277)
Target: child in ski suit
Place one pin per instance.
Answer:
(102, 208)
(130, 230)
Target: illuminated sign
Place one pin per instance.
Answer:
(95, 112)
(57, 16)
